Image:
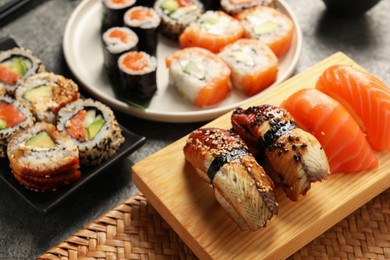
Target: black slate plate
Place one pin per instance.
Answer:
(46, 201)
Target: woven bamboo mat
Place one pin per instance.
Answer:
(134, 230)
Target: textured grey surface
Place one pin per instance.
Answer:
(26, 233)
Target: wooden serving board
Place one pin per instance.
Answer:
(188, 205)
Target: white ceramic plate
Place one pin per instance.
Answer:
(84, 54)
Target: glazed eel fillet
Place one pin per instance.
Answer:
(240, 184)
(291, 156)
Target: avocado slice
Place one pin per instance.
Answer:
(94, 128)
(265, 28)
(193, 69)
(212, 19)
(170, 6)
(18, 65)
(41, 140)
(243, 58)
(38, 92)
(3, 124)
(183, 11)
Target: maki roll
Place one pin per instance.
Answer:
(233, 7)
(114, 11)
(191, 76)
(45, 93)
(253, 64)
(144, 22)
(176, 15)
(42, 159)
(93, 127)
(117, 40)
(213, 30)
(13, 117)
(269, 26)
(138, 73)
(15, 66)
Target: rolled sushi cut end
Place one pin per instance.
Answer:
(93, 127)
(43, 159)
(138, 74)
(253, 64)
(13, 117)
(45, 93)
(15, 66)
(176, 15)
(213, 31)
(119, 39)
(269, 26)
(233, 7)
(113, 11)
(190, 75)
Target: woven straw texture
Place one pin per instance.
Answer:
(134, 230)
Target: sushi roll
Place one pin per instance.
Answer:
(191, 76)
(93, 127)
(42, 159)
(15, 66)
(3, 91)
(253, 64)
(176, 15)
(13, 117)
(45, 93)
(269, 26)
(233, 7)
(213, 30)
(144, 22)
(138, 74)
(113, 11)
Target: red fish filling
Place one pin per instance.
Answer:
(10, 114)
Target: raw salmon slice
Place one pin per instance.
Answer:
(344, 142)
(366, 97)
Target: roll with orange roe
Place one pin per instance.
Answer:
(269, 26)
(213, 30)
(138, 74)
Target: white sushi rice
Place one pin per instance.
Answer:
(116, 45)
(146, 22)
(224, 25)
(112, 4)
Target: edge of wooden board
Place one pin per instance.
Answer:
(161, 194)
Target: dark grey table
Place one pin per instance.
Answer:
(26, 233)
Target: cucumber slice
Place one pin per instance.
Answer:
(41, 140)
(3, 124)
(89, 118)
(193, 69)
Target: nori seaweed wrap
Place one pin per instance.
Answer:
(114, 11)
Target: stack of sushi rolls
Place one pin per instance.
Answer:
(13, 117)
(269, 26)
(45, 93)
(138, 73)
(213, 31)
(176, 15)
(233, 7)
(144, 21)
(43, 159)
(253, 64)
(113, 11)
(117, 40)
(93, 128)
(191, 76)
(15, 66)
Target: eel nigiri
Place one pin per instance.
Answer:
(344, 143)
(365, 96)
(292, 157)
(240, 184)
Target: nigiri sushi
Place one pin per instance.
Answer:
(366, 97)
(213, 31)
(199, 76)
(253, 64)
(269, 26)
(344, 143)
(292, 157)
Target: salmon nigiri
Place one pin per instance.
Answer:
(366, 97)
(344, 142)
